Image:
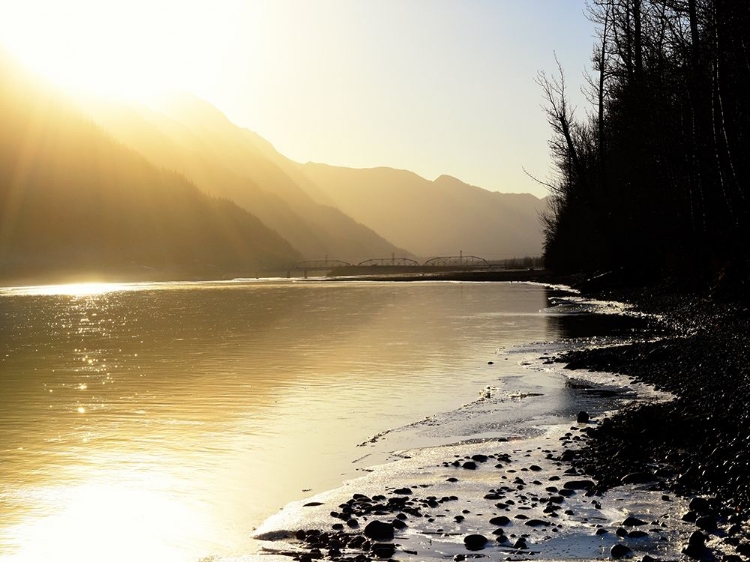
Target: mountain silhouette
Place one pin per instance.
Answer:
(432, 218)
(194, 138)
(350, 214)
(75, 202)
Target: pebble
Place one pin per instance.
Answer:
(475, 542)
(619, 551)
(379, 531)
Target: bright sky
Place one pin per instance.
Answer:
(433, 86)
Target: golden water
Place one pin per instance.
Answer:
(165, 421)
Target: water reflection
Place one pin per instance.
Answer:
(164, 421)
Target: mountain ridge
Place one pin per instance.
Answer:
(75, 202)
(225, 160)
(295, 200)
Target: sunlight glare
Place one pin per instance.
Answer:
(101, 521)
(133, 51)
(72, 289)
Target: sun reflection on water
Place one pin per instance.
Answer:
(72, 289)
(110, 521)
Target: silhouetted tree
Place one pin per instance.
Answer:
(658, 176)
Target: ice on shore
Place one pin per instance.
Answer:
(523, 424)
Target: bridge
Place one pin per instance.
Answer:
(320, 265)
(461, 261)
(441, 262)
(391, 262)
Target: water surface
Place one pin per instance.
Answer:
(166, 421)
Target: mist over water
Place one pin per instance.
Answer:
(166, 421)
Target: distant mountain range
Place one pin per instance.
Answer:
(433, 218)
(184, 192)
(75, 204)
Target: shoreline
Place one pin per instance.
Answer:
(592, 482)
(699, 443)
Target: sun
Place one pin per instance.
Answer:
(135, 50)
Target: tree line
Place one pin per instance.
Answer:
(655, 175)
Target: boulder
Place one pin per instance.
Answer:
(379, 531)
(619, 551)
(475, 542)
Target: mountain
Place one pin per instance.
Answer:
(434, 218)
(75, 202)
(195, 139)
(349, 214)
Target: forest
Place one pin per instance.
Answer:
(654, 177)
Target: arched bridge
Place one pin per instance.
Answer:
(452, 262)
(320, 265)
(389, 261)
(457, 261)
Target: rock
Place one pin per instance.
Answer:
(459, 518)
(300, 535)
(707, 523)
(633, 522)
(637, 534)
(379, 531)
(353, 523)
(699, 504)
(579, 485)
(312, 504)
(601, 531)
(500, 521)
(537, 523)
(402, 491)
(475, 542)
(619, 551)
(690, 517)
(697, 539)
(479, 458)
(535, 468)
(383, 550)
(637, 478)
(399, 524)
(647, 558)
(695, 551)
(470, 465)
(459, 558)
(356, 541)
(620, 532)
(583, 417)
(521, 544)
(451, 479)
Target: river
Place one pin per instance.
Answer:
(167, 421)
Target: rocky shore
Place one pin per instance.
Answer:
(653, 481)
(699, 443)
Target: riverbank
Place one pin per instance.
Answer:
(699, 443)
(478, 275)
(663, 477)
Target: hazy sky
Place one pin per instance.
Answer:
(433, 86)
